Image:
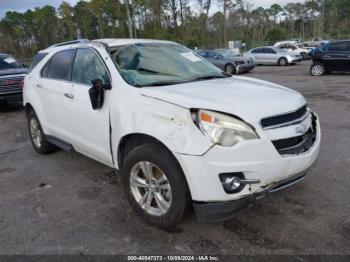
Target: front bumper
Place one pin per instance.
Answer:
(295, 59)
(244, 68)
(221, 211)
(256, 159)
(11, 96)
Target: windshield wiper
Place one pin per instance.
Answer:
(208, 77)
(162, 83)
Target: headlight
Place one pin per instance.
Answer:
(223, 129)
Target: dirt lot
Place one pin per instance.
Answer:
(66, 203)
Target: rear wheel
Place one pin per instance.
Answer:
(230, 69)
(283, 61)
(317, 69)
(155, 185)
(37, 136)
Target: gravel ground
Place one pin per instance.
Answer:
(65, 203)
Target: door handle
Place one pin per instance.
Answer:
(39, 85)
(68, 95)
(327, 56)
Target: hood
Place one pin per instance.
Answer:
(247, 98)
(13, 71)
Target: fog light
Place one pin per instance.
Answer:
(231, 183)
(235, 182)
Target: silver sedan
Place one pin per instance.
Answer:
(268, 55)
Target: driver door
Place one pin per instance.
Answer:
(90, 127)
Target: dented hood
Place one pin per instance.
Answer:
(247, 98)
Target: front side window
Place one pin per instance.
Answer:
(36, 60)
(213, 55)
(150, 64)
(60, 66)
(8, 62)
(88, 66)
(258, 51)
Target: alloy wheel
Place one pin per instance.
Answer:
(230, 69)
(317, 70)
(35, 132)
(150, 188)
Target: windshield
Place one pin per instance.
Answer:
(151, 64)
(226, 52)
(8, 62)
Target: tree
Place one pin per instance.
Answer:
(276, 34)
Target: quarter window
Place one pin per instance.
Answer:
(88, 66)
(60, 65)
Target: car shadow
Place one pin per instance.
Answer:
(10, 107)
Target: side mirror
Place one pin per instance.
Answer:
(97, 94)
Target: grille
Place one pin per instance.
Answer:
(11, 84)
(283, 119)
(298, 144)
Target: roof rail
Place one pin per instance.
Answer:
(71, 42)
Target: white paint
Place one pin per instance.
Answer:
(163, 113)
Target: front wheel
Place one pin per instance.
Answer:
(230, 69)
(155, 185)
(317, 69)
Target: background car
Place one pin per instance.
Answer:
(228, 63)
(292, 47)
(334, 56)
(12, 73)
(269, 55)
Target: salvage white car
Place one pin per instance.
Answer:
(181, 131)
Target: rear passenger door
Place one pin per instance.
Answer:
(55, 91)
(337, 56)
(90, 128)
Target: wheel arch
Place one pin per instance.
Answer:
(130, 141)
(282, 57)
(27, 108)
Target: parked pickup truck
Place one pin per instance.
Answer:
(181, 131)
(315, 42)
(12, 74)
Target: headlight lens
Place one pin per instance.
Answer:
(223, 129)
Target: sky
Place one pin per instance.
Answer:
(23, 5)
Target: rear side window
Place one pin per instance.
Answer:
(339, 47)
(36, 60)
(60, 66)
(269, 51)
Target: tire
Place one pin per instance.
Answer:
(172, 194)
(230, 69)
(317, 69)
(37, 136)
(282, 62)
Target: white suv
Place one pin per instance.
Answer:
(181, 131)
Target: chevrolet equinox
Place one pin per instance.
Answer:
(182, 132)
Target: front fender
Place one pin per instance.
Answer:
(170, 124)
